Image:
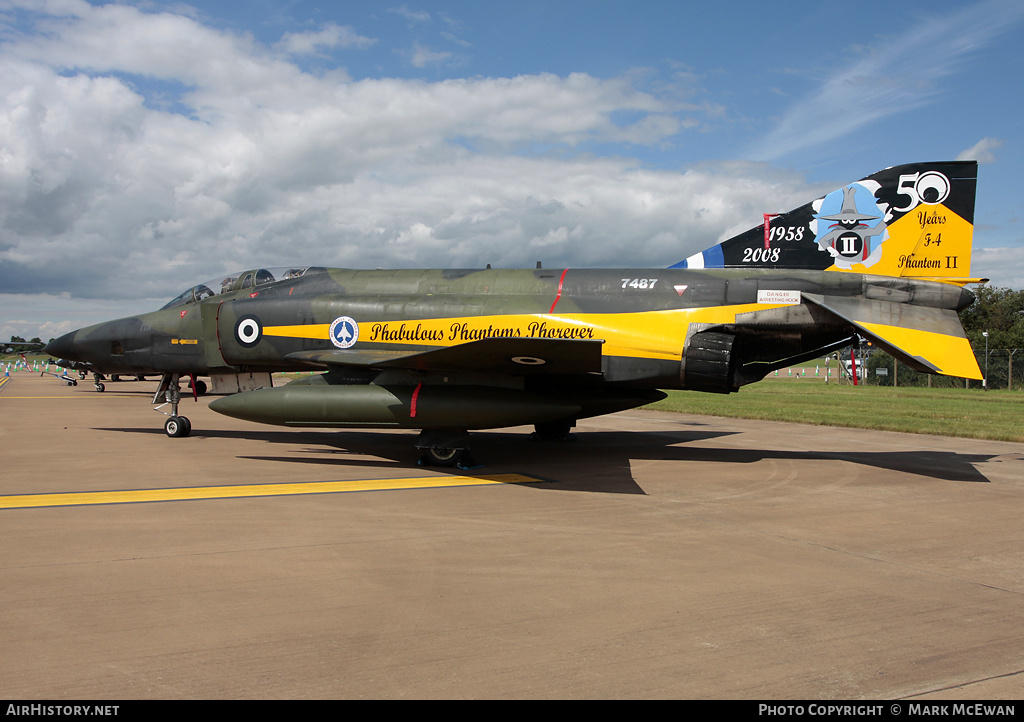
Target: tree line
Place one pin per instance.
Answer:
(999, 312)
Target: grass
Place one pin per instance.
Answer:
(970, 413)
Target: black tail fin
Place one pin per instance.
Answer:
(909, 221)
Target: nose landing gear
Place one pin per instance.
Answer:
(178, 426)
(168, 392)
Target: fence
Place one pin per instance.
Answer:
(1005, 371)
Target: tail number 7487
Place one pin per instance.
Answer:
(642, 283)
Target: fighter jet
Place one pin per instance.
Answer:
(450, 351)
(83, 368)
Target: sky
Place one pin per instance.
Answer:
(148, 146)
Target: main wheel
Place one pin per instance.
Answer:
(553, 431)
(442, 456)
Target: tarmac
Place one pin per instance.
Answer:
(658, 556)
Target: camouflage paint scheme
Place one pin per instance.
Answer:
(453, 350)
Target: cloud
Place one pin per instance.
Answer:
(416, 16)
(1002, 266)
(331, 36)
(23, 313)
(893, 77)
(110, 196)
(982, 151)
(422, 56)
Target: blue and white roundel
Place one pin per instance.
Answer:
(344, 332)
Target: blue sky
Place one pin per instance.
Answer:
(145, 146)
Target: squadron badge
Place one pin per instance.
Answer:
(850, 225)
(344, 332)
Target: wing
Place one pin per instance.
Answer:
(404, 403)
(517, 356)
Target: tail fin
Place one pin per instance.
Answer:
(908, 221)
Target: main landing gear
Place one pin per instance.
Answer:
(449, 447)
(554, 431)
(444, 447)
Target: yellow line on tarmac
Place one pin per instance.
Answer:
(134, 496)
(49, 397)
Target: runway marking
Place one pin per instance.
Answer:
(3, 381)
(134, 496)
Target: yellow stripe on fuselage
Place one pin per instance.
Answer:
(309, 330)
(644, 334)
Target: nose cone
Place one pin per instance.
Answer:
(64, 347)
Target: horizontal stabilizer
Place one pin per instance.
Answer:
(926, 339)
(517, 356)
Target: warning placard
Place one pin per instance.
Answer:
(788, 298)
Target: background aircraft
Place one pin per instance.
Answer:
(11, 346)
(448, 351)
(98, 377)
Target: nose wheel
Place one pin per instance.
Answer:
(177, 426)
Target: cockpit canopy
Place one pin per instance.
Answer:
(234, 282)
